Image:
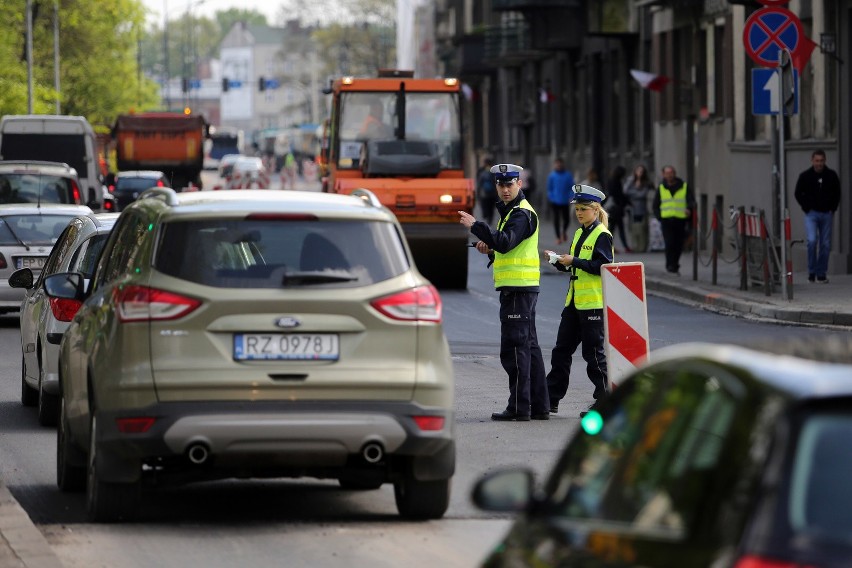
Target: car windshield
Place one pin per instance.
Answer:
(260, 253)
(35, 188)
(431, 120)
(820, 495)
(32, 229)
(135, 183)
(642, 464)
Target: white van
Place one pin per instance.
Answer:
(55, 138)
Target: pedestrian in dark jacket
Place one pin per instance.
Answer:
(616, 204)
(818, 193)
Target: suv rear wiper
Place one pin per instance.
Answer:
(17, 238)
(295, 278)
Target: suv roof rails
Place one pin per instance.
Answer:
(368, 196)
(169, 195)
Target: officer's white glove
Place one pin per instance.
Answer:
(554, 259)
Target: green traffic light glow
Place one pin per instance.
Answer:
(592, 423)
(151, 226)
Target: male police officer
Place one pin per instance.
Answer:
(513, 249)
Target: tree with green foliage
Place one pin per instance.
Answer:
(98, 47)
(190, 39)
(355, 37)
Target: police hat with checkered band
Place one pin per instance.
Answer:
(506, 173)
(587, 194)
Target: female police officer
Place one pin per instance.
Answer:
(513, 248)
(582, 316)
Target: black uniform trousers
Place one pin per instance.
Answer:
(576, 327)
(674, 236)
(520, 354)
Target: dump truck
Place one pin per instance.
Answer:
(400, 137)
(172, 143)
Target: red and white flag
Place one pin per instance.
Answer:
(650, 81)
(546, 96)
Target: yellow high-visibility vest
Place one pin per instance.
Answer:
(520, 266)
(673, 204)
(586, 289)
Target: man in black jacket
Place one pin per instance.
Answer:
(818, 193)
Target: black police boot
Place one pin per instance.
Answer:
(507, 416)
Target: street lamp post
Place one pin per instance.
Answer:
(56, 54)
(29, 16)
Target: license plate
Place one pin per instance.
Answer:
(31, 262)
(286, 346)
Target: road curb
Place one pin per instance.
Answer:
(21, 544)
(719, 301)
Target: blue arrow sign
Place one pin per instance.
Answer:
(234, 84)
(766, 92)
(272, 83)
(195, 84)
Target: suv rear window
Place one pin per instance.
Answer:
(135, 183)
(35, 188)
(261, 253)
(820, 493)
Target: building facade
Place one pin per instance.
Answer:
(550, 78)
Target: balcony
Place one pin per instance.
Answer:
(509, 45)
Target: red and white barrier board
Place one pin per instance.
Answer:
(625, 318)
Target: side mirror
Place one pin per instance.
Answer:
(507, 491)
(66, 285)
(22, 278)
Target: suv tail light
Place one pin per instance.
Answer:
(761, 562)
(111, 188)
(140, 303)
(64, 309)
(418, 304)
(75, 192)
(160, 183)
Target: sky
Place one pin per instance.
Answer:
(209, 7)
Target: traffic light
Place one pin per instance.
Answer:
(261, 84)
(184, 84)
(226, 84)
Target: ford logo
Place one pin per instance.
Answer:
(287, 321)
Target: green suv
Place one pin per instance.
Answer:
(254, 333)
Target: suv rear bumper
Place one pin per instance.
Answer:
(318, 439)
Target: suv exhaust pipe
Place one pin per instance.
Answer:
(198, 453)
(372, 452)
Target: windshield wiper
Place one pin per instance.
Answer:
(17, 238)
(295, 278)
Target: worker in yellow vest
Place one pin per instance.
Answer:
(513, 249)
(674, 203)
(582, 320)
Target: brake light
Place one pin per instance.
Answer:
(429, 423)
(160, 183)
(75, 191)
(761, 562)
(140, 303)
(108, 205)
(418, 304)
(136, 425)
(111, 188)
(3, 263)
(64, 309)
